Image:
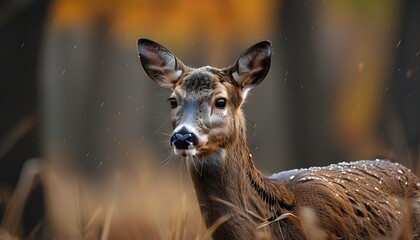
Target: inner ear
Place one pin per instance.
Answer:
(253, 65)
(159, 63)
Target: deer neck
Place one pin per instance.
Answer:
(228, 184)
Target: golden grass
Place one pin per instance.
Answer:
(137, 201)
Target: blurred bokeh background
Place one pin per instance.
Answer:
(74, 101)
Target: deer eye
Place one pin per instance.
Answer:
(220, 103)
(173, 102)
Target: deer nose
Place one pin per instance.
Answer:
(183, 139)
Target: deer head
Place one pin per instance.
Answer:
(206, 102)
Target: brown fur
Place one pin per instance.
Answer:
(360, 200)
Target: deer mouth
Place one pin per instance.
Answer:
(186, 152)
(191, 150)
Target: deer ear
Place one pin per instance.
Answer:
(252, 66)
(159, 63)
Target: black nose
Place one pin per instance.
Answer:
(183, 139)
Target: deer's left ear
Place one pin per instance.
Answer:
(252, 66)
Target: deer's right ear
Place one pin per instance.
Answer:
(159, 63)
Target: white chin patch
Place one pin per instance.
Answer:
(185, 152)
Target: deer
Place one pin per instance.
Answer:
(367, 199)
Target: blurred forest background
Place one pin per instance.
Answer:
(83, 131)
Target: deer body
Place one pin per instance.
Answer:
(361, 200)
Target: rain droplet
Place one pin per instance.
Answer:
(99, 165)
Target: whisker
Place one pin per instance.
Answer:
(168, 160)
(193, 162)
(159, 120)
(166, 134)
(202, 165)
(163, 128)
(250, 121)
(181, 172)
(180, 165)
(165, 146)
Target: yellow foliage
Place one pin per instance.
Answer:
(175, 20)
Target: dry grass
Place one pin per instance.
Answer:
(138, 201)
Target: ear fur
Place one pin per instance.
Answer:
(252, 66)
(159, 63)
